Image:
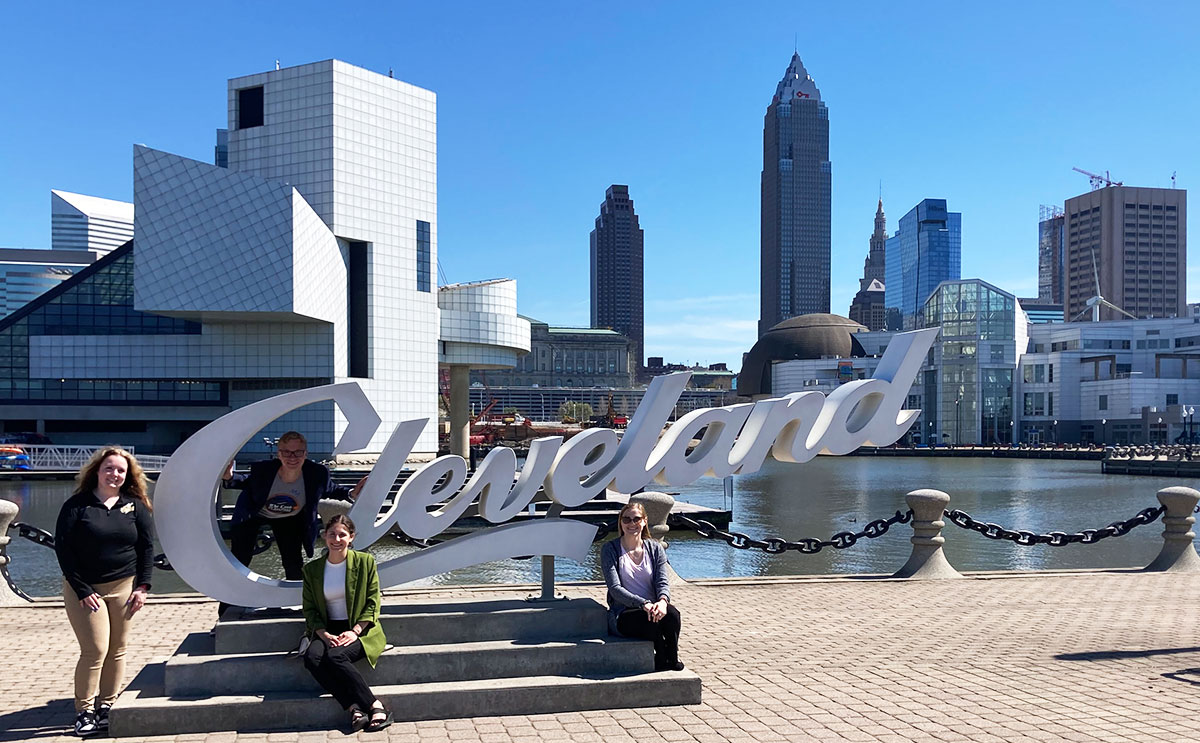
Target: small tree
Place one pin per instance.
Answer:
(574, 411)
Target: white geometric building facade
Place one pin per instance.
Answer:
(310, 260)
(81, 222)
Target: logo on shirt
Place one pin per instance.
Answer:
(127, 508)
(282, 504)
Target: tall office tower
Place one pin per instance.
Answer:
(794, 257)
(925, 251)
(1051, 248)
(617, 276)
(1138, 240)
(79, 222)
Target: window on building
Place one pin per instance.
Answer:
(1035, 403)
(1172, 399)
(1103, 402)
(424, 257)
(250, 107)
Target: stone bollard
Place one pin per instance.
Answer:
(658, 507)
(927, 561)
(1178, 554)
(8, 596)
(327, 508)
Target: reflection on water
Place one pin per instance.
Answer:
(816, 499)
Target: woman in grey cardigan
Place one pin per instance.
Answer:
(639, 601)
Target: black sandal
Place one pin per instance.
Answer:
(358, 719)
(379, 724)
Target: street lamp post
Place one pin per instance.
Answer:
(1103, 429)
(1054, 431)
(958, 418)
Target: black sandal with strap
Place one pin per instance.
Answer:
(376, 723)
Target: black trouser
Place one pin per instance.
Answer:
(664, 633)
(334, 670)
(289, 537)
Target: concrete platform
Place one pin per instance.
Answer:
(451, 660)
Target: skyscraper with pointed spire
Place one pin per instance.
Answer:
(794, 258)
(867, 307)
(873, 266)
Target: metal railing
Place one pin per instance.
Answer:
(71, 457)
(59, 456)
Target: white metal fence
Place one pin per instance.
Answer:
(62, 457)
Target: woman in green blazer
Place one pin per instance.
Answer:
(341, 616)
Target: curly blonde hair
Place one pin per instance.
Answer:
(134, 486)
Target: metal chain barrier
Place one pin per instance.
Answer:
(46, 539)
(1054, 538)
(809, 546)
(403, 538)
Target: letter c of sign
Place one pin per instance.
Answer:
(185, 518)
(184, 505)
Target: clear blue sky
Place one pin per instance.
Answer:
(542, 105)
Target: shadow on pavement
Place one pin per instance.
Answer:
(1179, 676)
(50, 720)
(1121, 654)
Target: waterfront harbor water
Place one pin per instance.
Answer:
(815, 499)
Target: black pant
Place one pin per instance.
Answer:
(334, 670)
(664, 633)
(289, 537)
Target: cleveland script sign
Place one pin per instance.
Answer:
(736, 440)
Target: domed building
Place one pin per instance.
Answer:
(804, 337)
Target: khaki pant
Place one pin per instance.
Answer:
(101, 636)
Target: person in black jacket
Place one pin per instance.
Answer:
(105, 546)
(283, 494)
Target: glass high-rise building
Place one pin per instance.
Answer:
(794, 260)
(616, 268)
(1051, 251)
(925, 251)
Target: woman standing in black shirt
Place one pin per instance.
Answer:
(105, 546)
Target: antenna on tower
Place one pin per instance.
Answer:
(1173, 179)
(277, 64)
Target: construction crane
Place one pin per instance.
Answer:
(1098, 181)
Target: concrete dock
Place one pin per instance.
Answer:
(1087, 656)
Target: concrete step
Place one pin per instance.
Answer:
(195, 671)
(428, 623)
(142, 712)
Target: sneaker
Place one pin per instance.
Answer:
(85, 724)
(102, 716)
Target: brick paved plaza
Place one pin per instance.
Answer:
(1015, 657)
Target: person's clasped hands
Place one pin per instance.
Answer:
(656, 610)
